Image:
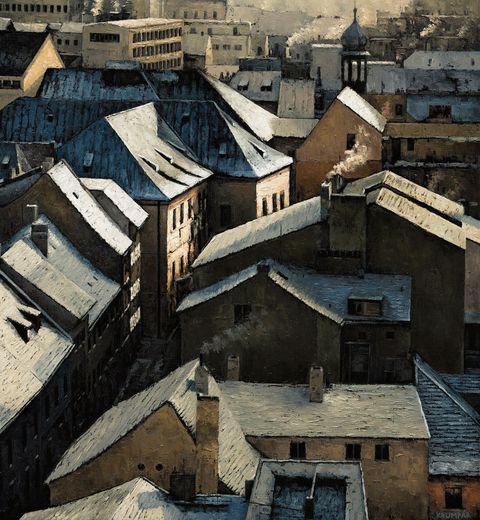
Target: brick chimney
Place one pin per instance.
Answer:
(263, 267)
(316, 387)
(233, 368)
(325, 191)
(201, 378)
(208, 411)
(39, 236)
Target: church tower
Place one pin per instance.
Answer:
(354, 57)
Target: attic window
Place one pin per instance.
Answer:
(50, 118)
(365, 307)
(222, 150)
(5, 161)
(266, 85)
(243, 85)
(22, 327)
(151, 164)
(164, 156)
(185, 118)
(259, 149)
(87, 162)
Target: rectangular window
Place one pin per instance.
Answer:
(297, 450)
(182, 266)
(282, 199)
(264, 206)
(364, 307)
(225, 215)
(174, 219)
(382, 452)
(453, 497)
(410, 145)
(399, 109)
(190, 208)
(274, 202)
(173, 273)
(242, 313)
(182, 213)
(351, 139)
(353, 451)
(439, 111)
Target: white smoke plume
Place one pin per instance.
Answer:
(320, 28)
(355, 158)
(432, 28)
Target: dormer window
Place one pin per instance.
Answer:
(5, 161)
(87, 162)
(266, 85)
(365, 306)
(222, 150)
(243, 85)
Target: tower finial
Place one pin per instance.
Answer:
(354, 10)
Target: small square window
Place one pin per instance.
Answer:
(353, 451)
(242, 313)
(453, 498)
(351, 140)
(382, 452)
(297, 450)
(390, 334)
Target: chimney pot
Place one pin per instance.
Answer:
(201, 379)
(233, 368)
(309, 508)
(316, 386)
(263, 268)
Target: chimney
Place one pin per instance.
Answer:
(182, 487)
(263, 267)
(33, 211)
(39, 235)
(233, 368)
(316, 384)
(325, 191)
(309, 508)
(201, 378)
(206, 476)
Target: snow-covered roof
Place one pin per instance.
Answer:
(140, 499)
(288, 220)
(362, 108)
(326, 294)
(124, 203)
(86, 205)
(86, 282)
(360, 411)
(237, 459)
(27, 363)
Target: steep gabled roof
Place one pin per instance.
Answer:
(219, 142)
(362, 108)
(454, 447)
(140, 152)
(27, 366)
(140, 499)
(263, 229)
(17, 51)
(257, 119)
(87, 282)
(237, 460)
(132, 211)
(89, 209)
(326, 294)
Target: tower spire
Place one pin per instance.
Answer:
(355, 10)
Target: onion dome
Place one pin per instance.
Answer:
(354, 39)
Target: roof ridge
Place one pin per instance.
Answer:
(437, 379)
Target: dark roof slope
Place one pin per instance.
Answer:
(46, 120)
(17, 50)
(97, 85)
(454, 447)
